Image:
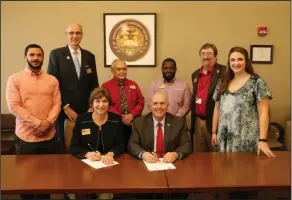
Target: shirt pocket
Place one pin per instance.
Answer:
(131, 94)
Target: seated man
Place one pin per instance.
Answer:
(147, 140)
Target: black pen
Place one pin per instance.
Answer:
(152, 153)
(91, 148)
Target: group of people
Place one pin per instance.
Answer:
(229, 106)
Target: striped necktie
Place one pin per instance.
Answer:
(123, 99)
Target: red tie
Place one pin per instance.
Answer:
(159, 141)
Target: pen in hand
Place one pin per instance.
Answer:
(154, 154)
(94, 154)
(91, 148)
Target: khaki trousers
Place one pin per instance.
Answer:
(202, 138)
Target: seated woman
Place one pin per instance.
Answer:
(98, 135)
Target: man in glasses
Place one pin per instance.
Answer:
(75, 69)
(204, 82)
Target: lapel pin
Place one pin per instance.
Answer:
(68, 57)
(167, 124)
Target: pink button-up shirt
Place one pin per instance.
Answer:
(178, 92)
(32, 98)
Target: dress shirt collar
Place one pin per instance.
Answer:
(156, 122)
(209, 72)
(72, 50)
(125, 81)
(169, 83)
(29, 71)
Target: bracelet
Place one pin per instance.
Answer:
(263, 140)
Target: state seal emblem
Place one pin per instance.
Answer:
(129, 40)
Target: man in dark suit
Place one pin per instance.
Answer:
(204, 82)
(75, 70)
(159, 134)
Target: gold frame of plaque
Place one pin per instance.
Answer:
(130, 37)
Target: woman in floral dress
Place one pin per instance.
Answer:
(241, 113)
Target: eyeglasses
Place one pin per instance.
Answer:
(206, 53)
(77, 33)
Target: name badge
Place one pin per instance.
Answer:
(198, 100)
(85, 131)
(162, 86)
(132, 87)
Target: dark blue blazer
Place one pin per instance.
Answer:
(74, 91)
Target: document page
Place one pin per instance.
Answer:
(97, 164)
(159, 165)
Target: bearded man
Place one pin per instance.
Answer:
(178, 91)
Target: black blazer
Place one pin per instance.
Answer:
(112, 134)
(176, 136)
(218, 73)
(74, 91)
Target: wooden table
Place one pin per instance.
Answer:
(229, 172)
(202, 172)
(66, 174)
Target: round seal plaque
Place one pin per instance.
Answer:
(129, 40)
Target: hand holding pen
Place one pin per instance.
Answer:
(94, 155)
(150, 157)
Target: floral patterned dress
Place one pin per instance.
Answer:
(238, 129)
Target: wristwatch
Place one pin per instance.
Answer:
(263, 140)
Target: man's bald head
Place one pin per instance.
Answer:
(74, 35)
(159, 105)
(119, 69)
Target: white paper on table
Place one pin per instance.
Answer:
(97, 164)
(159, 165)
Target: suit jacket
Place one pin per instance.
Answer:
(74, 91)
(176, 136)
(217, 74)
(111, 138)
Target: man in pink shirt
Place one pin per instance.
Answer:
(178, 91)
(33, 97)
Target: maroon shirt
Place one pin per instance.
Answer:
(133, 94)
(202, 91)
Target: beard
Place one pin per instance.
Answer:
(169, 77)
(35, 67)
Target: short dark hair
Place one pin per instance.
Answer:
(209, 45)
(32, 46)
(99, 92)
(169, 60)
